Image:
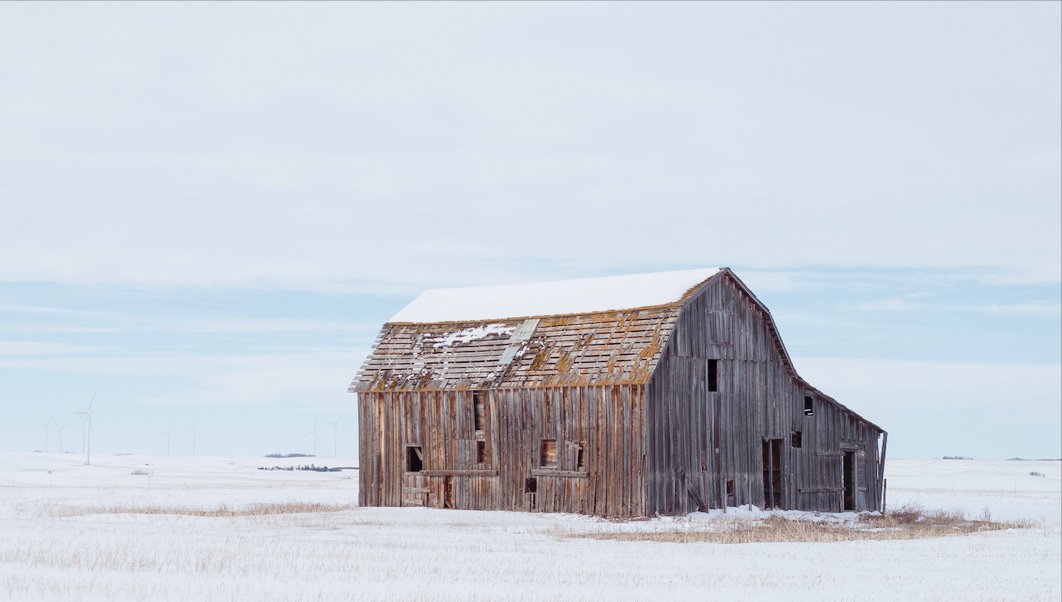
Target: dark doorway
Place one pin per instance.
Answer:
(772, 473)
(531, 489)
(848, 477)
(448, 492)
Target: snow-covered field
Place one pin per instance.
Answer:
(67, 533)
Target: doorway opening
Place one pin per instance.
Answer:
(772, 473)
(531, 489)
(448, 492)
(848, 478)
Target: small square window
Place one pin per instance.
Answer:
(481, 452)
(796, 439)
(548, 456)
(414, 458)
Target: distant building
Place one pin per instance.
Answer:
(624, 396)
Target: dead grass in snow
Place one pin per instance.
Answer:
(222, 511)
(907, 522)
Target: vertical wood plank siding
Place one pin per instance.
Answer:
(607, 422)
(698, 440)
(652, 436)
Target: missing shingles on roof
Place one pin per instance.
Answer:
(616, 347)
(468, 335)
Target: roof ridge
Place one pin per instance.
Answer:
(573, 297)
(671, 305)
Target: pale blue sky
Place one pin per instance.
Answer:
(209, 209)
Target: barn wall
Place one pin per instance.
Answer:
(606, 422)
(697, 440)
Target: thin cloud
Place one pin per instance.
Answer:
(904, 304)
(935, 408)
(43, 348)
(295, 378)
(194, 325)
(184, 365)
(945, 384)
(50, 311)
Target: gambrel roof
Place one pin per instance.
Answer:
(571, 333)
(593, 331)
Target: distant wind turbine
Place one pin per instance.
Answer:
(60, 427)
(335, 436)
(167, 433)
(314, 433)
(87, 417)
(45, 425)
(193, 431)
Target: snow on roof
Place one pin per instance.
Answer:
(551, 298)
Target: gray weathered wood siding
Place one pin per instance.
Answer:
(605, 421)
(697, 440)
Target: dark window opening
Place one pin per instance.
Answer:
(481, 452)
(580, 456)
(713, 375)
(731, 500)
(548, 456)
(848, 480)
(809, 405)
(414, 458)
(796, 439)
(478, 410)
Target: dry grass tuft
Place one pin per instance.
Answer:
(222, 511)
(908, 522)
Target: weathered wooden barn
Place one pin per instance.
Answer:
(625, 396)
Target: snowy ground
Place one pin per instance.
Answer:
(57, 544)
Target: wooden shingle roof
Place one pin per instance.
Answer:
(607, 346)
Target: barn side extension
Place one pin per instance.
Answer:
(625, 396)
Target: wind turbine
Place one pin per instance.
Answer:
(167, 433)
(45, 425)
(87, 417)
(314, 433)
(335, 436)
(60, 427)
(193, 431)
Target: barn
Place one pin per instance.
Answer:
(623, 396)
